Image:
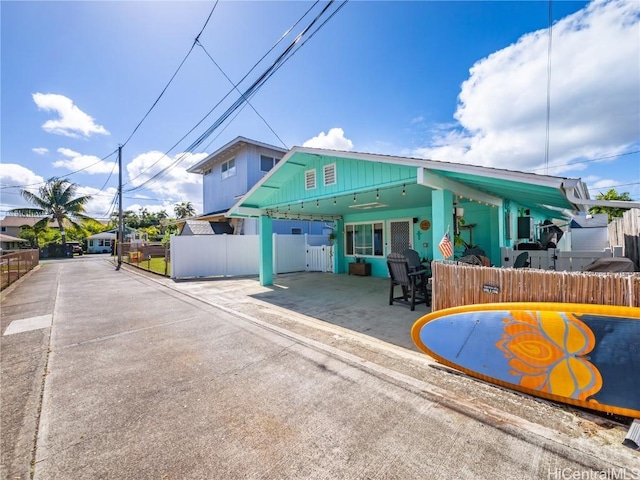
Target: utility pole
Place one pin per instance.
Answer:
(120, 240)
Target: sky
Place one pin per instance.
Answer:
(471, 82)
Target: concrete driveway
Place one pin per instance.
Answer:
(148, 378)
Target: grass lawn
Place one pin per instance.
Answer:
(156, 265)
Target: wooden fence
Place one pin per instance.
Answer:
(456, 285)
(17, 264)
(625, 231)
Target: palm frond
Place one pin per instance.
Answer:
(28, 212)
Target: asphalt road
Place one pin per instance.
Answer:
(143, 382)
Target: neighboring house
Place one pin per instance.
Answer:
(101, 242)
(201, 227)
(12, 224)
(382, 204)
(104, 241)
(228, 173)
(8, 242)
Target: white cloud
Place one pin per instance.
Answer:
(91, 164)
(40, 150)
(18, 177)
(101, 204)
(595, 99)
(72, 121)
(334, 140)
(176, 185)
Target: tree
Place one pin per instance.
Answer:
(56, 200)
(612, 212)
(184, 210)
(33, 233)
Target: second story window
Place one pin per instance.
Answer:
(229, 168)
(267, 163)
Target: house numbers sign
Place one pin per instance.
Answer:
(425, 225)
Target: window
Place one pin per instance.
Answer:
(329, 174)
(207, 171)
(229, 168)
(310, 179)
(267, 163)
(296, 231)
(364, 239)
(4, 229)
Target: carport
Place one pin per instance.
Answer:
(379, 204)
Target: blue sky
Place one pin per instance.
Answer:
(446, 80)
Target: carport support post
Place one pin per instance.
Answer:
(338, 247)
(266, 250)
(442, 213)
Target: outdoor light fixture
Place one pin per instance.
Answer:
(334, 201)
(354, 198)
(403, 190)
(377, 194)
(317, 204)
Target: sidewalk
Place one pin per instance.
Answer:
(150, 379)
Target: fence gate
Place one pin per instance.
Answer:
(320, 259)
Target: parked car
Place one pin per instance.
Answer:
(73, 248)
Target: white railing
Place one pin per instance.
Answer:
(231, 255)
(554, 259)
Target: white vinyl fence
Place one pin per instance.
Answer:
(230, 255)
(554, 259)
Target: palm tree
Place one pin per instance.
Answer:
(184, 210)
(56, 200)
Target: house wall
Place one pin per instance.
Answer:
(100, 245)
(284, 227)
(419, 237)
(222, 193)
(350, 176)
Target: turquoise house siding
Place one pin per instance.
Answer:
(351, 176)
(379, 264)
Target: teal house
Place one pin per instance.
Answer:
(379, 204)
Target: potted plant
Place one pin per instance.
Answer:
(331, 237)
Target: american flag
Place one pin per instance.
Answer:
(445, 246)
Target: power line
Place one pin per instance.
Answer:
(249, 92)
(248, 103)
(196, 40)
(547, 133)
(587, 161)
(61, 176)
(255, 65)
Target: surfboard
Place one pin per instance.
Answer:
(579, 354)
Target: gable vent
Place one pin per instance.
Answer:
(310, 179)
(329, 173)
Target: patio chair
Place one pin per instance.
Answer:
(522, 260)
(414, 284)
(415, 263)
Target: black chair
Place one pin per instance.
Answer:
(522, 260)
(414, 284)
(415, 263)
